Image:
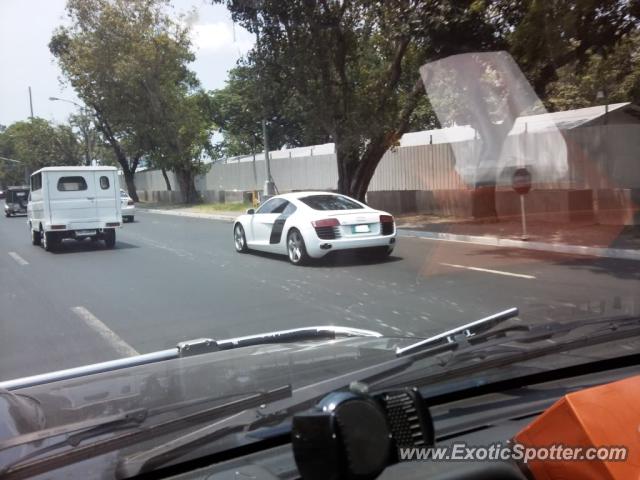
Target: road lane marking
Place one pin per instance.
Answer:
(105, 332)
(487, 270)
(18, 258)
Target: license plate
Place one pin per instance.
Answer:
(361, 229)
(85, 232)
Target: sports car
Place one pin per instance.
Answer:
(306, 225)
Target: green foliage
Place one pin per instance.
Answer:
(350, 68)
(128, 61)
(36, 143)
(616, 76)
(239, 108)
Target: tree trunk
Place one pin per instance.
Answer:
(483, 203)
(166, 179)
(186, 180)
(121, 156)
(131, 185)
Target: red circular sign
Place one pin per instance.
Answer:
(522, 181)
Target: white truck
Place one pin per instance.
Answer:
(74, 202)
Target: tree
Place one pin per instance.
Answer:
(127, 60)
(352, 66)
(186, 130)
(239, 108)
(616, 75)
(83, 124)
(36, 143)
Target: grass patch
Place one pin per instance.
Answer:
(221, 207)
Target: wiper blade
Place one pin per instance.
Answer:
(465, 331)
(497, 350)
(189, 348)
(74, 431)
(24, 468)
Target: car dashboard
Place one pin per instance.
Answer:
(477, 420)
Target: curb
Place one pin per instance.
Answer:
(540, 246)
(208, 216)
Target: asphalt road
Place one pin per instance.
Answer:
(174, 278)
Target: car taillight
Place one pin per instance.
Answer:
(129, 202)
(327, 222)
(386, 219)
(58, 227)
(113, 224)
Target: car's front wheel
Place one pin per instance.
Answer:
(296, 249)
(239, 239)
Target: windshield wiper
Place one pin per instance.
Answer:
(455, 334)
(246, 420)
(25, 468)
(192, 347)
(502, 347)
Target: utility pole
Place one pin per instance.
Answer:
(269, 186)
(30, 103)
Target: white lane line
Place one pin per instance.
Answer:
(105, 332)
(18, 258)
(487, 270)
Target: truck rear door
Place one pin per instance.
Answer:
(107, 196)
(72, 197)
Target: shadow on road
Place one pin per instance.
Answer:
(620, 268)
(74, 246)
(335, 259)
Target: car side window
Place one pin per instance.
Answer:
(271, 205)
(290, 210)
(281, 208)
(104, 183)
(71, 184)
(36, 182)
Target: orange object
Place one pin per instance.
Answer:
(608, 415)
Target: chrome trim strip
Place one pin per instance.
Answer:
(469, 329)
(278, 336)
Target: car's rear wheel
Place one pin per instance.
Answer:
(110, 238)
(296, 249)
(239, 239)
(35, 237)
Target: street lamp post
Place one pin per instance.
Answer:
(84, 110)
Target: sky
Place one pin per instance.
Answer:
(26, 27)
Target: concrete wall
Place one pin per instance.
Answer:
(578, 174)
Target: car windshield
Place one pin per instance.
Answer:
(180, 170)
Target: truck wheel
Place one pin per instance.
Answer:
(49, 241)
(110, 238)
(35, 237)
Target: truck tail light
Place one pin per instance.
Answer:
(328, 222)
(113, 224)
(58, 227)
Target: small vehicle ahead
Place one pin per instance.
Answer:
(127, 206)
(306, 225)
(16, 199)
(74, 202)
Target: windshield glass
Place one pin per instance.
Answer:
(330, 202)
(222, 169)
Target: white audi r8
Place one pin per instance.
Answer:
(305, 225)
